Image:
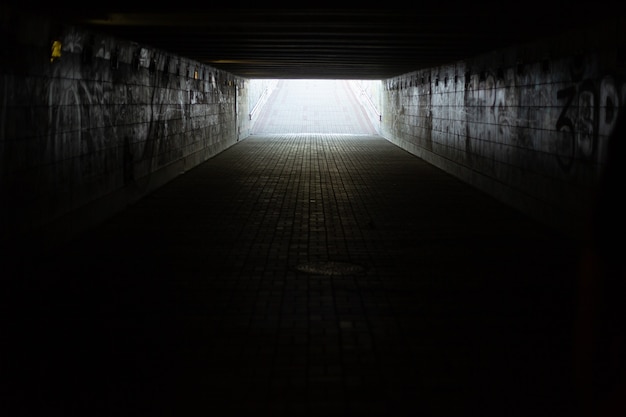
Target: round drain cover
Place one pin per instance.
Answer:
(330, 268)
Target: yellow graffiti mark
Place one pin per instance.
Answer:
(56, 50)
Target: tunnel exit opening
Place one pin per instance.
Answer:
(314, 106)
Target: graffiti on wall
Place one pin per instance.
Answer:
(76, 114)
(589, 108)
(493, 115)
(103, 126)
(101, 115)
(508, 106)
(538, 107)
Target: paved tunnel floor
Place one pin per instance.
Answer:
(301, 275)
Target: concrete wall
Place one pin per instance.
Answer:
(84, 134)
(528, 124)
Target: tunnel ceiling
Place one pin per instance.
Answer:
(341, 43)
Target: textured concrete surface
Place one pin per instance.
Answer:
(298, 275)
(105, 123)
(530, 127)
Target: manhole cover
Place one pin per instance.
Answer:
(330, 268)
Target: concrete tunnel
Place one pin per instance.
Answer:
(176, 240)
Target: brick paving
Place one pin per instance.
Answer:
(300, 275)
